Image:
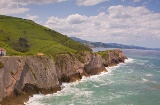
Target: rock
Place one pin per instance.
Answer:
(21, 77)
(20, 73)
(113, 57)
(71, 68)
(93, 64)
(68, 67)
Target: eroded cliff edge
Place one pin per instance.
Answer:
(21, 77)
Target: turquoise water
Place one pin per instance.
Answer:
(136, 82)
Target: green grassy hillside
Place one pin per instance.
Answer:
(25, 37)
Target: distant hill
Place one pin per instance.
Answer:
(110, 45)
(25, 37)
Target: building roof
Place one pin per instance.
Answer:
(2, 49)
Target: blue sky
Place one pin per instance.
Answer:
(131, 22)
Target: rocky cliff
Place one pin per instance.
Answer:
(21, 77)
(71, 67)
(112, 57)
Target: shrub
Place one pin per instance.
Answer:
(11, 72)
(22, 45)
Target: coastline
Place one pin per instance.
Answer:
(28, 79)
(128, 83)
(66, 86)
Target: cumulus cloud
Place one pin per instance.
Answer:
(89, 2)
(118, 23)
(76, 19)
(31, 17)
(17, 6)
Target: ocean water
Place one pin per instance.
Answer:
(136, 82)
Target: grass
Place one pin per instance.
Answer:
(39, 38)
(104, 54)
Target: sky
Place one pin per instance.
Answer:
(130, 22)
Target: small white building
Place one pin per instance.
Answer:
(2, 52)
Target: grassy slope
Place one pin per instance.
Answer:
(41, 39)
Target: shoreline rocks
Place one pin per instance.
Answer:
(21, 77)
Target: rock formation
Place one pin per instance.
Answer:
(71, 67)
(112, 57)
(21, 77)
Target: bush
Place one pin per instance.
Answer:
(22, 45)
(11, 72)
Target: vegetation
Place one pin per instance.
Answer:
(32, 71)
(1, 65)
(21, 45)
(11, 72)
(104, 54)
(25, 37)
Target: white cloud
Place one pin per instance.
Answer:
(76, 19)
(17, 6)
(5, 11)
(89, 2)
(136, 0)
(38, 1)
(117, 24)
(31, 17)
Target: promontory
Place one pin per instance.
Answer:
(35, 59)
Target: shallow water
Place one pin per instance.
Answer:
(136, 82)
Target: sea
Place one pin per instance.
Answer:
(135, 82)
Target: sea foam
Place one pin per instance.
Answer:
(35, 100)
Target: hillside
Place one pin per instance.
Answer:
(110, 45)
(25, 37)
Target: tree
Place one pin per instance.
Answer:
(22, 45)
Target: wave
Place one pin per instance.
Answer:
(147, 80)
(71, 89)
(149, 75)
(35, 100)
(129, 60)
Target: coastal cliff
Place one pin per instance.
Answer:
(21, 77)
(112, 57)
(71, 67)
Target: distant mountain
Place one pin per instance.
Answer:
(110, 45)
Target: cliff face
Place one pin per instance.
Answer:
(69, 68)
(93, 64)
(72, 67)
(112, 57)
(21, 77)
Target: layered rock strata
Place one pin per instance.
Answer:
(21, 77)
